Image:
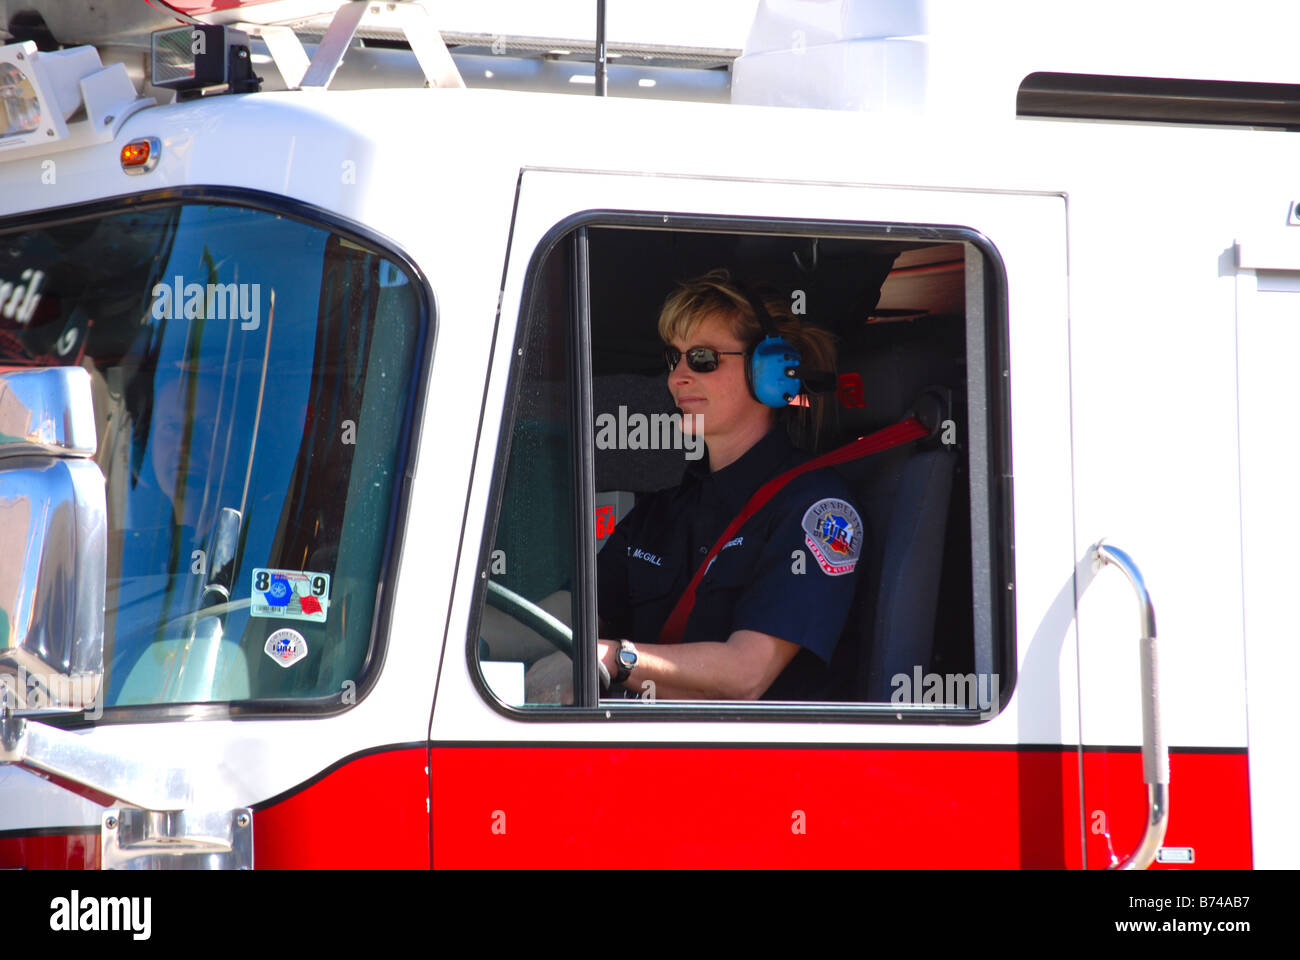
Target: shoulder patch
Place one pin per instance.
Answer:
(833, 532)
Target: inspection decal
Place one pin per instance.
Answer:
(290, 594)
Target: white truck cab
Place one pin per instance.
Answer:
(304, 485)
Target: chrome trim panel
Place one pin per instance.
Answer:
(53, 541)
(46, 410)
(132, 839)
(80, 763)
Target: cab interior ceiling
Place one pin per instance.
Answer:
(851, 287)
(897, 309)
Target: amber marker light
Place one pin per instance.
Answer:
(141, 156)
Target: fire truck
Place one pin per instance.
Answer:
(307, 323)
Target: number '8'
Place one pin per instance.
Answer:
(263, 581)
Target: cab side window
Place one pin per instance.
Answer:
(896, 306)
(530, 567)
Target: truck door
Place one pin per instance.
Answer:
(1155, 423)
(955, 746)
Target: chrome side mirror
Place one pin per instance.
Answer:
(53, 542)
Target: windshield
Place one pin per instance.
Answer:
(252, 381)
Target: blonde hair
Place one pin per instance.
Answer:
(716, 292)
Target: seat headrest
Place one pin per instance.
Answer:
(882, 381)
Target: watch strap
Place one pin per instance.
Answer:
(623, 671)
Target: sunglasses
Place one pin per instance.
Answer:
(699, 359)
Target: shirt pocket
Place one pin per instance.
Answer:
(731, 572)
(648, 583)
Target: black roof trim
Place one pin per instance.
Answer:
(1159, 99)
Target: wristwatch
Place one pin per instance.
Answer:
(625, 657)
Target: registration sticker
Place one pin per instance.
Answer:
(290, 594)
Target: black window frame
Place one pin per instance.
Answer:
(997, 483)
(408, 445)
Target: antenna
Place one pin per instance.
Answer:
(602, 82)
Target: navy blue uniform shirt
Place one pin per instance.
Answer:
(790, 571)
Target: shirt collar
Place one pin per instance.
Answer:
(737, 481)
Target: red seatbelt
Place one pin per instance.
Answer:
(900, 433)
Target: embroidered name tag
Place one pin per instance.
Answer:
(639, 554)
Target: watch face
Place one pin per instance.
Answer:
(627, 658)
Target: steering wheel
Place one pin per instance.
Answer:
(532, 616)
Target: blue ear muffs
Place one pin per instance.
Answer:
(773, 371)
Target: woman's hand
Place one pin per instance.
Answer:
(608, 653)
(740, 669)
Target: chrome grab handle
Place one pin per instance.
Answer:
(1155, 755)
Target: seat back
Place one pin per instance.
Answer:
(905, 496)
(901, 634)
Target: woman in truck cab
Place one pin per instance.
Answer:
(770, 606)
